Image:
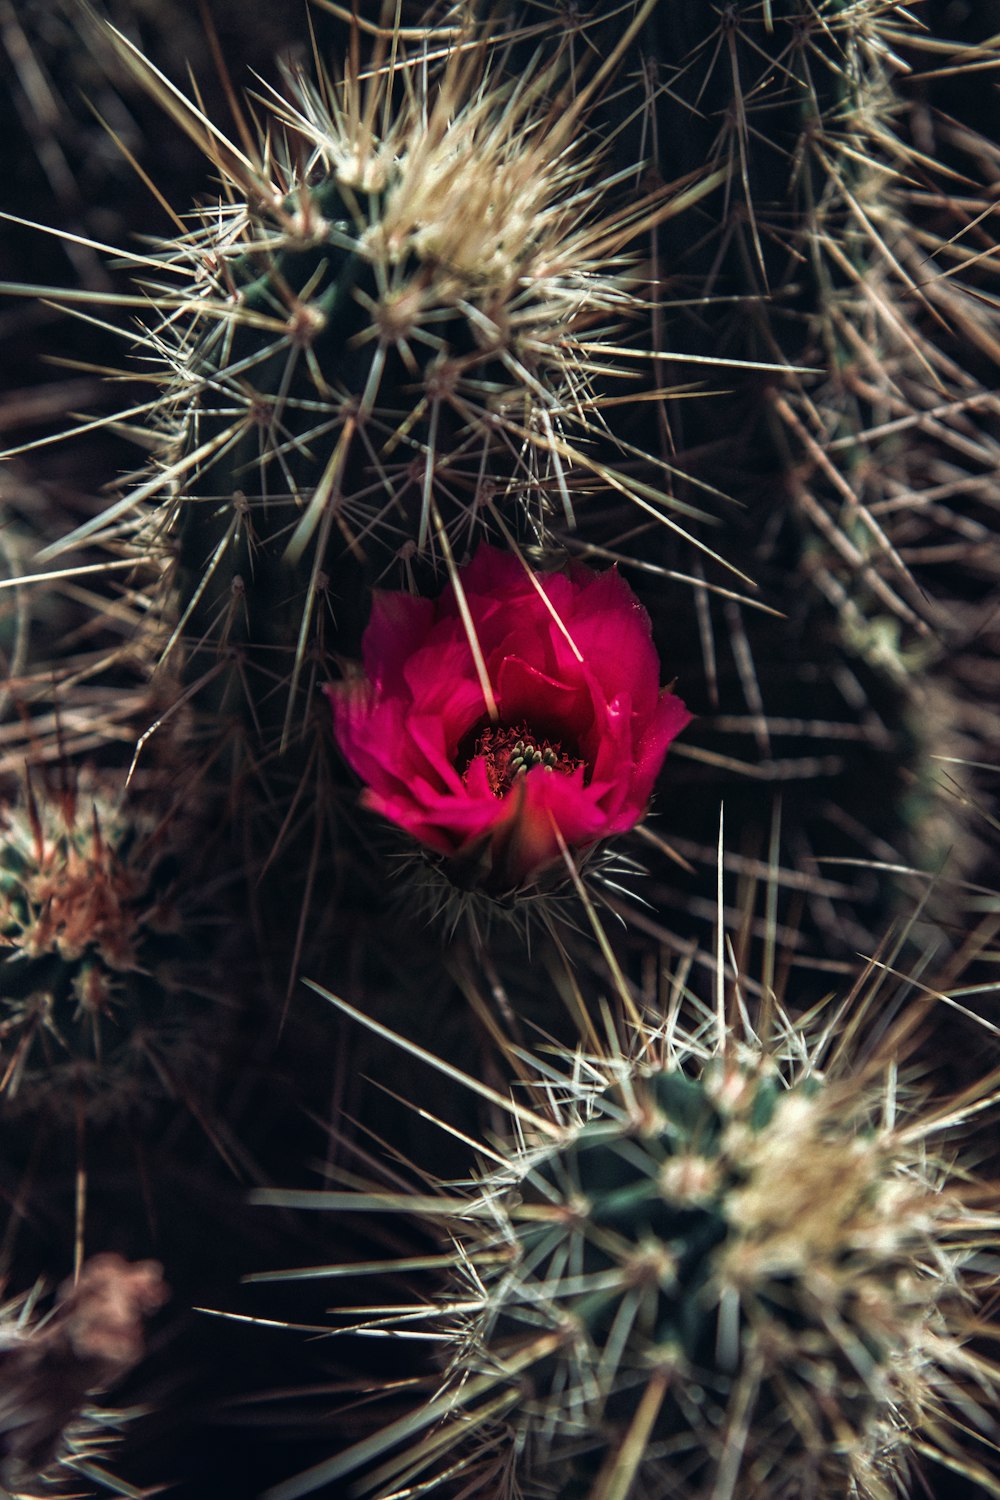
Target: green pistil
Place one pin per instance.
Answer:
(525, 756)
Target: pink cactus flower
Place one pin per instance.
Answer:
(570, 749)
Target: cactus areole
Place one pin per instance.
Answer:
(533, 724)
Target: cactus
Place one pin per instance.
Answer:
(720, 1263)
(842, 244)
(382, 347)
(98, 978)
(392, 339)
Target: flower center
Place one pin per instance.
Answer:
(511, 753)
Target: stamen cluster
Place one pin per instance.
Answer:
(506, 761)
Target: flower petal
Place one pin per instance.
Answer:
(555, 710)
(622, 658)
(396, 629)
(669, 718)
(549, 802)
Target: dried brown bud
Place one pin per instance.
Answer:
(49, 1368)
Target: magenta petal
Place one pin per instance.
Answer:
(670, 717)
(613, 761)
(453, 692)
(552, 807)
(554, 708)
(493, 575)
(623, 659)
(364, 726)
(477, 782)
(410, 817)
(427, 732)
(452, 825)
(397, 626)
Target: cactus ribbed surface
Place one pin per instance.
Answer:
(844, 245)
(727, 1255)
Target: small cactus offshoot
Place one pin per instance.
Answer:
(95, 1002)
